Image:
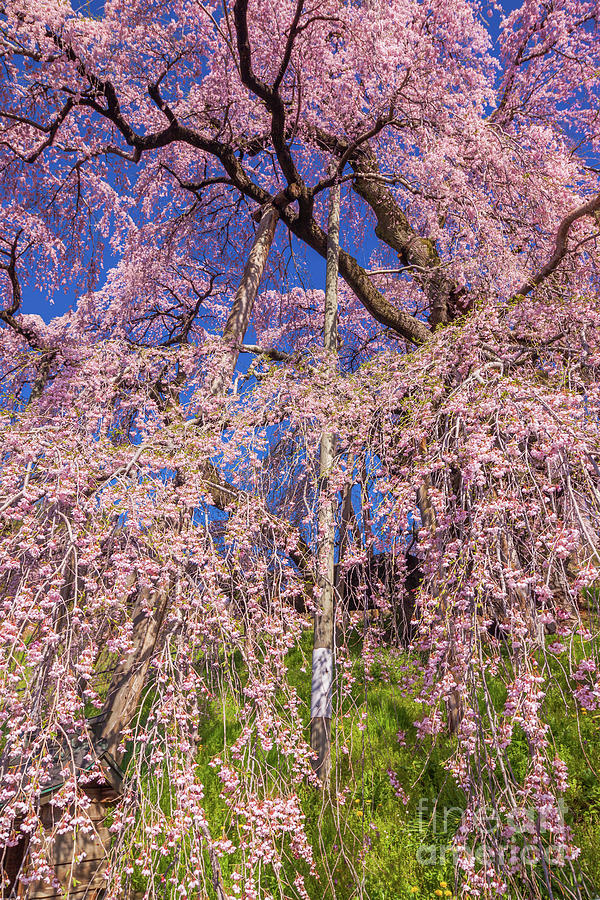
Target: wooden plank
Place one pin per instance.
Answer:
(81, 878)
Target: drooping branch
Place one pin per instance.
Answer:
(428, 519)
(46, 354)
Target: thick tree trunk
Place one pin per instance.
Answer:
(419, 254)
(453, 703)
(129, 679)
(323, 645)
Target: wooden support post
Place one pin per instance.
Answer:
(324, 628)
(243, 301)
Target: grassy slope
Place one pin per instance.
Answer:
(370, 845)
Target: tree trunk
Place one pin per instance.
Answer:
(453, 704)
(323, 645)
(243, 302)
(129, 679)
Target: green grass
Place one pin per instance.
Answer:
(373, 845)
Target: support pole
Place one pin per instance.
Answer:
(243, 302)
(324, 628)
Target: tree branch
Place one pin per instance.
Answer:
(303, 225)
(269, 352)
(47, 354)
(270, 95)
(393, 227)
(560, 246)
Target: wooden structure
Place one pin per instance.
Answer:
(78, 857)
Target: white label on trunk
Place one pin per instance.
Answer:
(322, 682)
